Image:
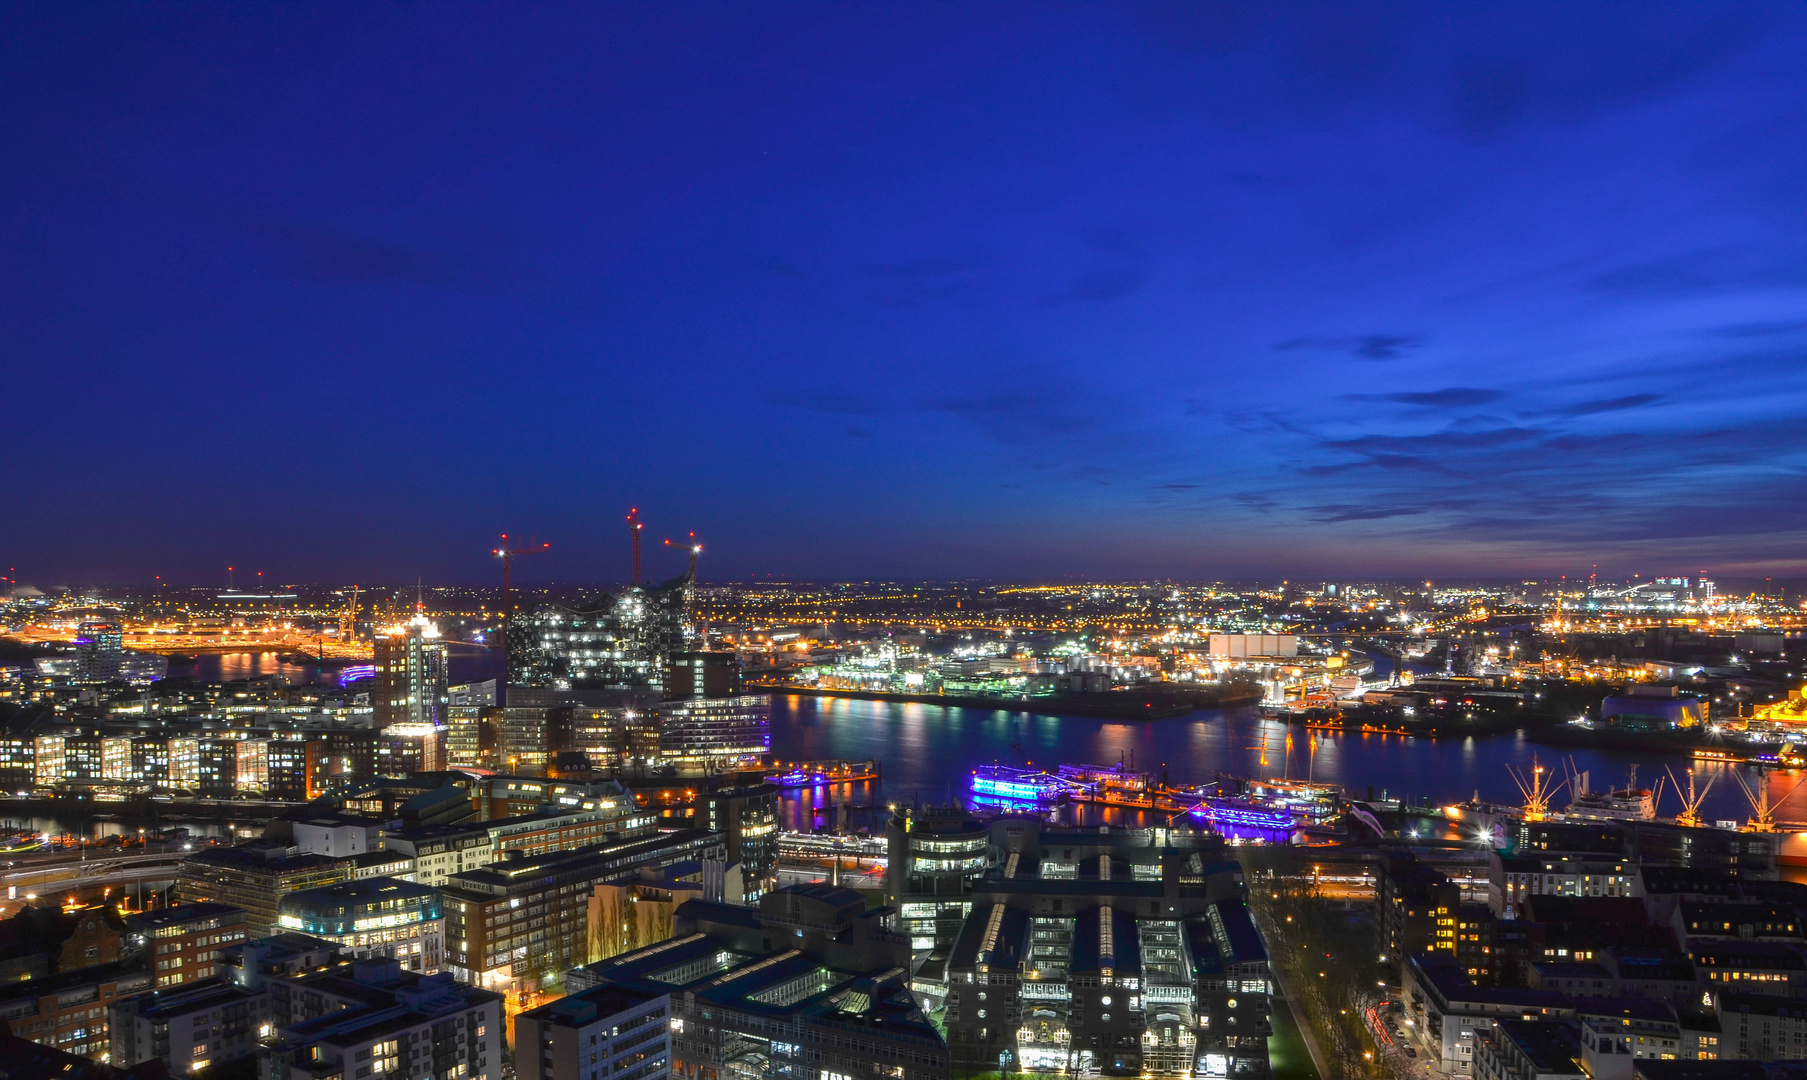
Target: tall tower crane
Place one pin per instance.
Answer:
(633, 527)
(695, 550)
(507, 553)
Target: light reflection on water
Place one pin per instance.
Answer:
(468, 663)
(928, 754)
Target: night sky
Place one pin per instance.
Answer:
(853, 290)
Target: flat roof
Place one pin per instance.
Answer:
(181, 913)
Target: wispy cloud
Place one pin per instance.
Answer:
(1360, 346)
(1451, 397)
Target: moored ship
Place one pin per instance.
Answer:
(799, 774)
(1004, 783)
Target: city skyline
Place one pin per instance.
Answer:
(1224, 292)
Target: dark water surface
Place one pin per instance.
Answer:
(929, 753)
(468, 663)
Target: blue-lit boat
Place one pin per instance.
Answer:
(1245, 820)
(1020, 785)
(815, 773)
(797, 778)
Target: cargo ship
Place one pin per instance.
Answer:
(800, 774)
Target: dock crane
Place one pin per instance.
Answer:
(1536, 789)
(1690, 815)
(507, 553)
(348, 617)
(1763, 812)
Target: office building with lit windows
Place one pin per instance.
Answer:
(747, 816)
(933, 858)
(180, 943)
(705, 736)
(518, 923)
(808, 985)
(1122, 953)
(371, 1019)
(255, 877)
(605, 1033)
(100, 650)
(411, 686)
(189, 1028)
(375, 917)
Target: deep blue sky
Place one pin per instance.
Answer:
(341, 292)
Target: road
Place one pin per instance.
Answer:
(1285, 1001)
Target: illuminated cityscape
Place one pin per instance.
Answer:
(1126, 541)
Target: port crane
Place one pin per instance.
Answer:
(1690, 815)
(1763, 812)
(1534, 785)
(348, 617)
(508, 553)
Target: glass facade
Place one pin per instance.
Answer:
(625, 641)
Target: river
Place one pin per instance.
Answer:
(929, 753)
(465, 663)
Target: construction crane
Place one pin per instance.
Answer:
(507, 554)
(695, 550)
(634, 526)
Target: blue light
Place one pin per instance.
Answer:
(1008, 788)
(355, 672)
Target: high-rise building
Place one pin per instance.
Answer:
(624, 641)
(715, 735)
(411, 684)
(932, 860)
(702, 674)
(526, 740)
(473, 738)
(403, 749)
(748, 817)
(337, 759)
(100, 650)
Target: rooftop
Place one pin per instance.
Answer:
(182, 913)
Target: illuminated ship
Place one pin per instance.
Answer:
(1310, 802)
(1020, 785)
(812, 773)
(1112, 785)
(1245, 820)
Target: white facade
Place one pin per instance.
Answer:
(1243, 645)
(338, 837)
